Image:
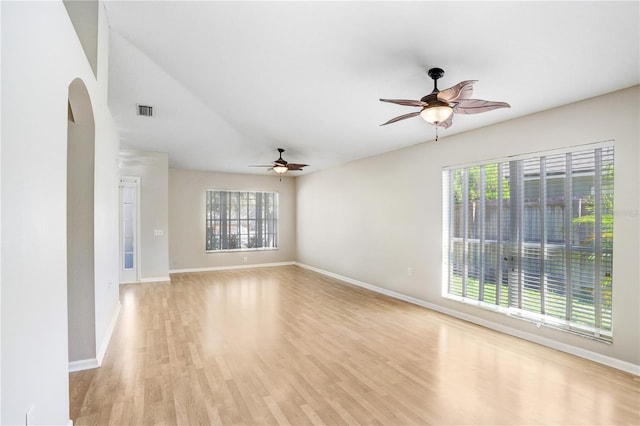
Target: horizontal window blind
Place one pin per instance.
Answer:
(241, 220)
(533, 237)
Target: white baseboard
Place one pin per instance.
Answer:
(107, 337)
(226, 268)
(83, 364)
(88, 364)
(554, 344)
(155, 280)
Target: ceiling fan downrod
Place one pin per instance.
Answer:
(435, 74)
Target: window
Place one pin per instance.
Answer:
(532, 237)
(241, 220)
(128, 189)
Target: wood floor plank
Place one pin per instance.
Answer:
(287, 346)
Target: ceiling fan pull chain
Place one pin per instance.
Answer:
(436, 133)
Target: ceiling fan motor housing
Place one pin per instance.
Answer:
(431, 98)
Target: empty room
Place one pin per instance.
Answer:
(305, 212)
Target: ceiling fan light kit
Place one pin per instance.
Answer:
(280, 169)
(435, 114)
(438, 106)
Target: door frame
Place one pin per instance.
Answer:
(135, 182)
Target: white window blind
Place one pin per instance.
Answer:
(533, 237)
(241, 220)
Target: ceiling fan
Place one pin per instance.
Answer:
(281, 166)
(438, 106)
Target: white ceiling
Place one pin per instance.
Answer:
(232, 81)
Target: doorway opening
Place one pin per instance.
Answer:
(80, 228)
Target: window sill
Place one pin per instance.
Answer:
(530, 318)
(242, 250)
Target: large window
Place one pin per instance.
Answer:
(533, 237)
(241, 220)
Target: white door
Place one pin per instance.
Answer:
(129, 214)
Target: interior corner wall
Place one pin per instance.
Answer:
(187, 204)
(153, 170)
(80, 240)
(84, 17)
(41, 56)
(390, 212)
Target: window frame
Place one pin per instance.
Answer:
(597, 332)
(267, 226)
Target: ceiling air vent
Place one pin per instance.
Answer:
(144, 110)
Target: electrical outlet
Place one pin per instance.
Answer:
(244, 259)
(409, 272)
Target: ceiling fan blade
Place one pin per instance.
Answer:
(406, 102)
(402, 117)
(462, 90)
(446, 123)
(281, 166)
(476, 106)
(295, 166)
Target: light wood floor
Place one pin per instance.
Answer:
(288, 346)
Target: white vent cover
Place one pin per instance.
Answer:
(144, 110)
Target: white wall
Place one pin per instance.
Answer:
(187, 192)
(106, 179)
(389, 211)
(153, 170)
(41, 56)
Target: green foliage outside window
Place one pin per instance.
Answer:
(491, 183)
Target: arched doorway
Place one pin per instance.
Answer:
(80, 229)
